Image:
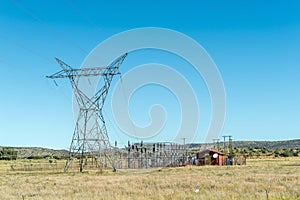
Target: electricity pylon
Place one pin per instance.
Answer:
(90, 134)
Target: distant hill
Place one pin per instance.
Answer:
(38, 152)
(284, 144)
(35, 152)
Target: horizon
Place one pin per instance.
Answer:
(160, 142)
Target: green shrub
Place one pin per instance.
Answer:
(35, 157)
(286, 154)
(8, 153)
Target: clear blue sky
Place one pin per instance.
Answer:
(255, 45)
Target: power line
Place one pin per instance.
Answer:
(35, 17)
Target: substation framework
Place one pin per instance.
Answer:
(90, 142)
(153, 155)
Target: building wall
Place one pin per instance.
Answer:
(221, 160)
(210, 160)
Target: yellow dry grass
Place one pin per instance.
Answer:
(259, 179)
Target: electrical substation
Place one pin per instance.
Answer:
(90, 146)
(90, 143)
(139, 155)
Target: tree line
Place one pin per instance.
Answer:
(8, 153)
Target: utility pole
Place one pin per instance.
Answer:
(186, 152)
(224, 142)
(229, 150)
(230, 146)
(128, 157)
(226, 136)
(216, 141)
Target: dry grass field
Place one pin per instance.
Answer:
(259, 179)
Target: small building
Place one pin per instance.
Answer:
(211, 157)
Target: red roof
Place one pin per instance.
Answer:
(201, 154)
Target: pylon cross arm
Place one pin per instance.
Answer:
(69, 72)
(82, 72)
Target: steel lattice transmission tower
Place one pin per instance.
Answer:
(90, 134)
